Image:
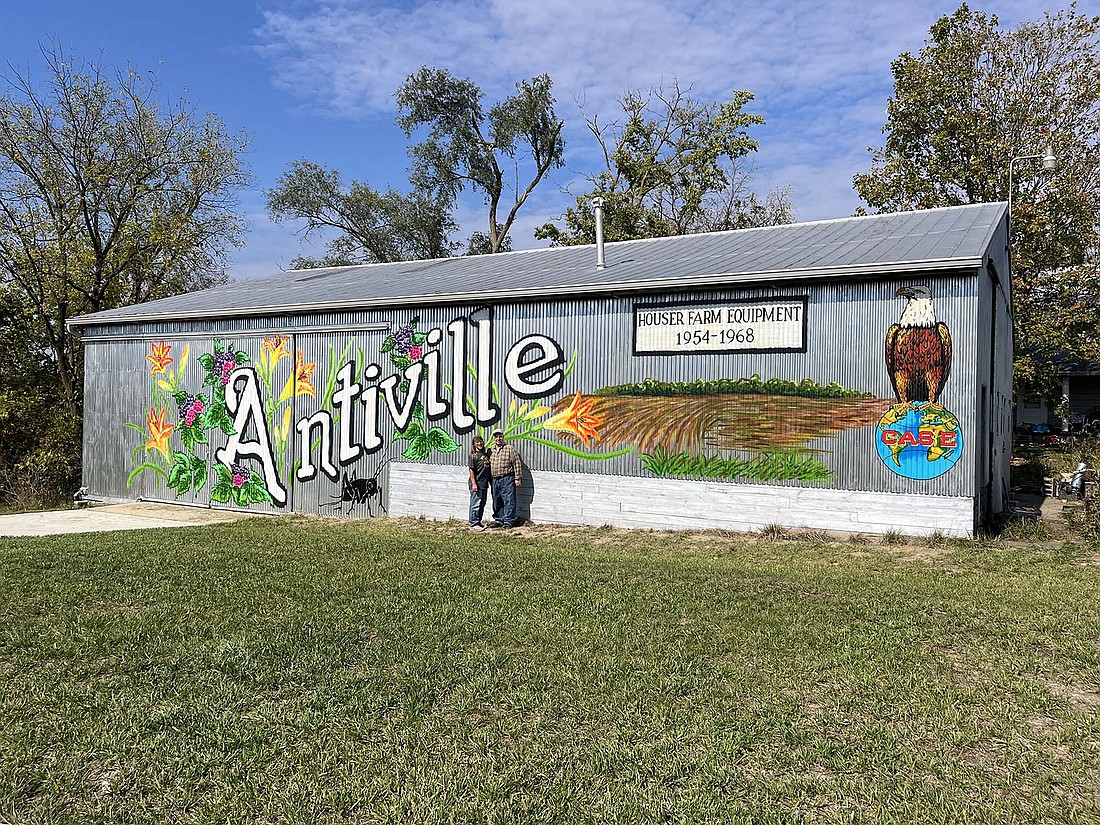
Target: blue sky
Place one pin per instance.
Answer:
(309, 79)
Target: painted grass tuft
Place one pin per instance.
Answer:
(769, 466)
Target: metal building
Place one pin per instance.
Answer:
(850, 374)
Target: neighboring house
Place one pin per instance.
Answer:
(852, 374)
(1080, 391)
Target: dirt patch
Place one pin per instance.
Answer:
(1080, 697)
(1041, 723)
(176, 512)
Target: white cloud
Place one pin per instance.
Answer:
(820, 70)
(271, 246)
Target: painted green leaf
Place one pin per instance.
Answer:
(198, 472)
(418, 448)
(240, 496)
(221, 492)
(388, 344)
(207, 361)
(140, 469)
(414, 430)
(181, 476)
(217, 394)
(190, 436)
(257, 491)
(441, 441)
(218, 419)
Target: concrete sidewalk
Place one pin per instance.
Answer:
(96, 519)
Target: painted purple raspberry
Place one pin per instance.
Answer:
(402, 339)
(224, 363)
(241, 474)
(190, 409)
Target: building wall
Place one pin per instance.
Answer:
(993, 387)
(428, 491)
(679, 444)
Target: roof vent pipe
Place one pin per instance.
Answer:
(597, 206)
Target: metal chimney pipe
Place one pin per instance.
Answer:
(597, 205)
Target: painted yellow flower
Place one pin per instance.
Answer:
(282, 431)
(159, 430)
(577, 419)
(275, 349)
(300, 383)
(536, 412)
(159, 358)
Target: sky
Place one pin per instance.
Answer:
(315, 79)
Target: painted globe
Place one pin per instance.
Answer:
(919, 443)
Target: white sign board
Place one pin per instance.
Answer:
(730, 326)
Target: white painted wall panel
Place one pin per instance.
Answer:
(440, 492)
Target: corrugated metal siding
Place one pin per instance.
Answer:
(847, 324)
(329, 351)
(845, 334)
(993, 372)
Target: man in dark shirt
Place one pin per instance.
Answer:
(507, 468)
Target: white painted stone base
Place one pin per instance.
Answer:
(438, 492)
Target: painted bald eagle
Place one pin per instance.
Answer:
(918, 350)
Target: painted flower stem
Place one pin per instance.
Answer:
(576, 453)
(148, 465)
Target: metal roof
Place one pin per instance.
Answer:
(949, 238)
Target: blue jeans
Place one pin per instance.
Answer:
(504, 500)
(478, 497)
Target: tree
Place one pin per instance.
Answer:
(107, 198)
(672, 166)
(975, 97)
(481, 244)
(40, 447)
(374, 227)
(465, 147)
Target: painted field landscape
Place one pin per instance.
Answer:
(732, 428)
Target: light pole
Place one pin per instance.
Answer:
(1050, 162)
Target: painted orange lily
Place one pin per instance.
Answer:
(159, 357)
(300, 383)
(275, 349)
(159, 430)
(577, 419)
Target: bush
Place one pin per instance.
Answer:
(49, 471)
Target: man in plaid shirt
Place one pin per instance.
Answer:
(507, 469)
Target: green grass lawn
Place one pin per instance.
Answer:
(301, 670)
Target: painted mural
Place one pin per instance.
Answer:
(918, 437)
(734, 429)
(244, 430)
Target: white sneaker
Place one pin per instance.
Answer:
(477, 528)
